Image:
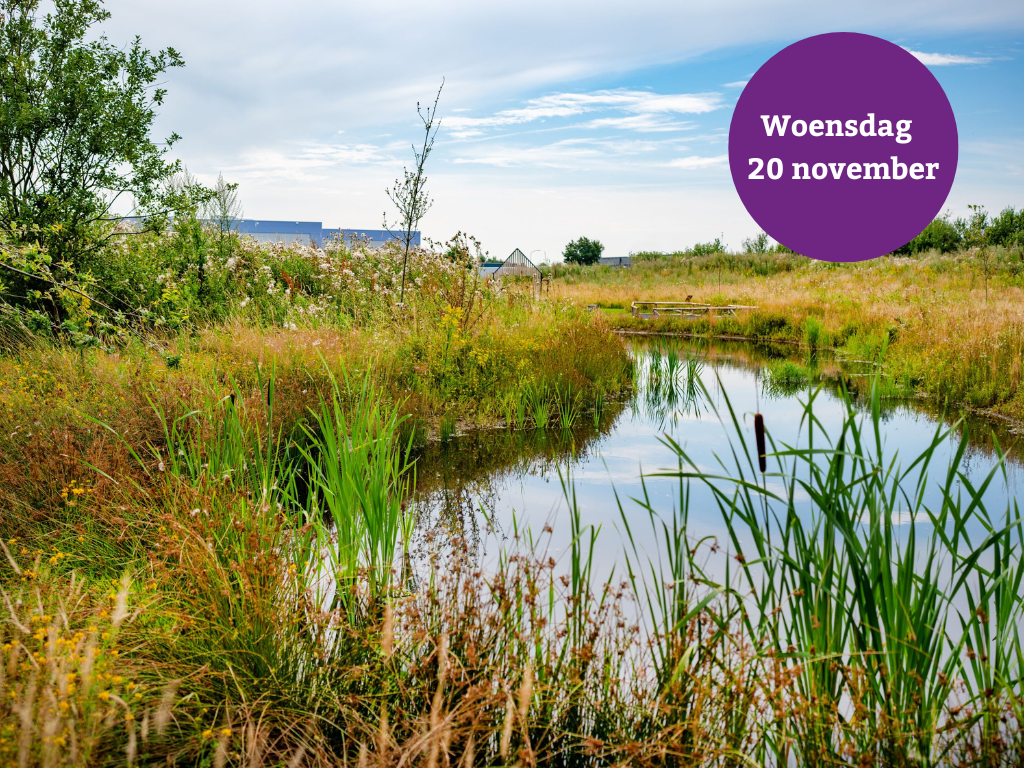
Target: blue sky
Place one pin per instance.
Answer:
(560, 119)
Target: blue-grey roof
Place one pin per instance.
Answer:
(269, 230)
(291, 230)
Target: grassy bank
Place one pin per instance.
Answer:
(943, 337)
(206, 558)
(228, 603)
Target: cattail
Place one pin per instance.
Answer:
(762, 461)
(26, 713)
(387, 642)
(258, 747)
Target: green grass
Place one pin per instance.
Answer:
(264, 598)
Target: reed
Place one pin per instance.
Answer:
(864, 602)
(539, 401)
(358, 479)
(273, 610)
(569, 404)
(598, 412)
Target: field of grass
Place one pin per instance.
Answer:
(943, 338)
(231, 602)
(204, 546)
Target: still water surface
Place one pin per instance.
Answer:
(512, 477)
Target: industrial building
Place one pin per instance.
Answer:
(313, 233)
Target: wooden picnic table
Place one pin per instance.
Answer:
(682, 309)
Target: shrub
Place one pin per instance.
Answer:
(583, 251)
(940, 235)
(812, 332)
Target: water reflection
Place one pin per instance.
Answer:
(681, 390)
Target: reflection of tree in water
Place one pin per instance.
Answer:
(455, 480)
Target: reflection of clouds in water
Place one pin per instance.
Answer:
(898, 517)
(610, 462)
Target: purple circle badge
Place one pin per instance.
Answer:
(843, 147)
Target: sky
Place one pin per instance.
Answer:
(558, 119)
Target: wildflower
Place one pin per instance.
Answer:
(208, 733)
(104, 696)
(225, 731)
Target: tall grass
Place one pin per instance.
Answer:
(867, 613)
(882, 623)
(358, 477)
(944, 340)
(569, 405)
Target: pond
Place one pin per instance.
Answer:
(489, 484)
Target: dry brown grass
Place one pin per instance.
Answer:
(943, 338)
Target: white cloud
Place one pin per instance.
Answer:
(737, 84)
(695, 161)
(641, 123)
(946, 59)
(306, 162)
(644, 106)
(574, 154)
(266, 81)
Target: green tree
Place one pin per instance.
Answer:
(1006, 229)
(759, 244)
(583, 251)
(75, 118)
(974, 236)
(940, 235)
